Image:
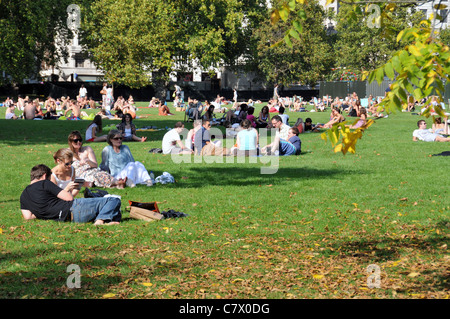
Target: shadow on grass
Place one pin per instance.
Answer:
(50, 278)
(230, 174)
(392, 249)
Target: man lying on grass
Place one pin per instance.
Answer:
(42, 199)
(427, 135)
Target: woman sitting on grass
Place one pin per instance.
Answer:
(263, 121)
(163, 109)
(247, 139)
(251, 117)
(209, 114)
(91, 132)
(63, 174)
(118, 161)
(336, 117)
(85, 164)
(362, 119)
(128, 129)
(439, 127)
(10, 115)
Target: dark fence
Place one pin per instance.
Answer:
(58, 89)
(362, 88)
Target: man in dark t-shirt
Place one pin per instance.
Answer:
(41, 198)
(44, 200)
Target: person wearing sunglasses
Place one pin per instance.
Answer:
(119, 162)
(86, 166)
(63, 174)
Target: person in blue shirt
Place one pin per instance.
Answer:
(247, 139)
(293, 146)
(119, 162)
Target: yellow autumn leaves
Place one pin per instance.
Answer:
(342, 138)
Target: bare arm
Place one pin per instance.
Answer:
(91, 158)
(70, 188)
(27, 215)
(180, 144)
(65, 195)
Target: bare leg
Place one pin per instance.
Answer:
(442, 139)
(100, 139)
(99, 222)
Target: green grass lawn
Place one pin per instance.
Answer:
(311, 230)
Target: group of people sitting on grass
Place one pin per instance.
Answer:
(117, 169)
(199, 140)
(51, 192)
(72, 109)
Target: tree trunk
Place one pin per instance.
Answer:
(161, 83)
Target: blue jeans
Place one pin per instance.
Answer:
(85, 210)
(286, 148)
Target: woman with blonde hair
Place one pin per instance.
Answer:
(63, 174)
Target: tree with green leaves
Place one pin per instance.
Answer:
(360, 46)
(141, 42)
(309, 56)
(32, 33)
(419, 68)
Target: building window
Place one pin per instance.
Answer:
(79, 60)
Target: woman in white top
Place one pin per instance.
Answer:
(91, 132)
(63, 174)
(10, 115)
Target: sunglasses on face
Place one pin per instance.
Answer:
(68, 164)
(117, 138)
(78, 140)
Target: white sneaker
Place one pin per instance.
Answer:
(149, 182)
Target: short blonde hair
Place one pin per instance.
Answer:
(63, 154)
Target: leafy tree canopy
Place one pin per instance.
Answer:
(309, 55)
(31, 32)
(130, 39)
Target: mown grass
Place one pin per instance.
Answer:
(308, 231)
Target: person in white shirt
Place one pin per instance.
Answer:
(282, 133)
(172, 144)
(284, 117)
(427, 135)
(83, 91)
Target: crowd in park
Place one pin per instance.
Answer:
(52, 192)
